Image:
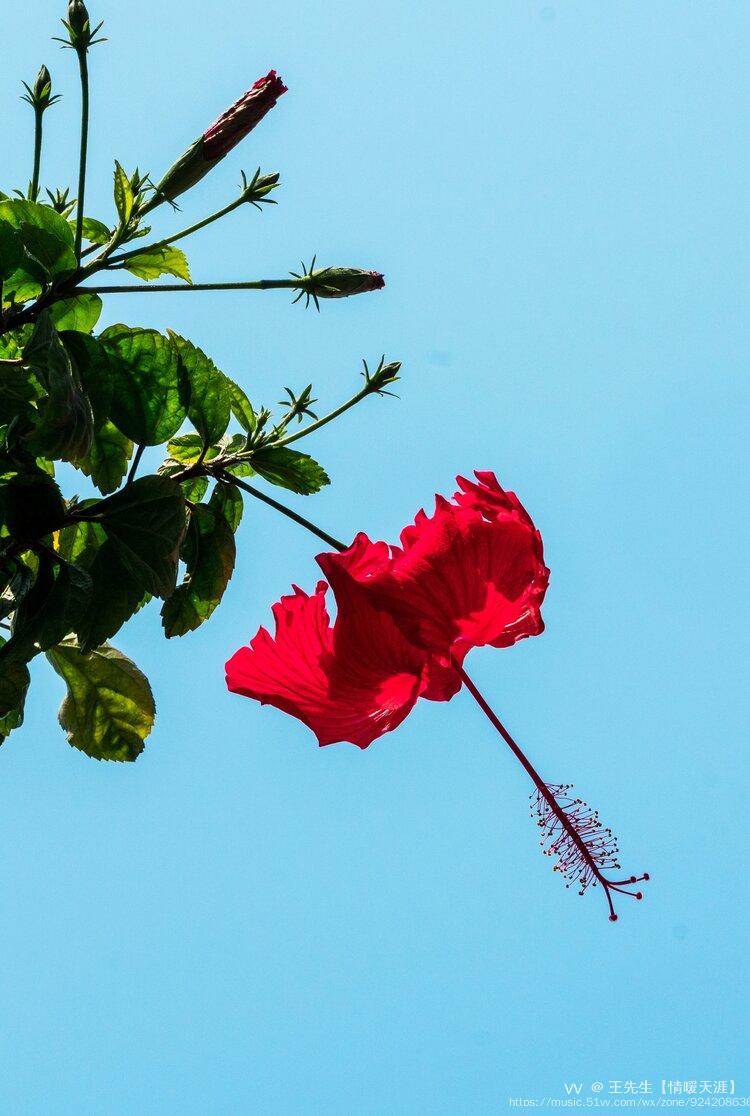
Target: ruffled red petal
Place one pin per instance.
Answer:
(352, 681)
(350, 574)
(471, 574)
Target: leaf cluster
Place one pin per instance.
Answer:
(74, 398)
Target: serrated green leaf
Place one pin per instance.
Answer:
(49, 611)
(123, 195)
(46, 247)
(227, 499)
(51, 254)
(242, 408)
(148, 391)
(209, 556)
(108, 458)
(20, 213)
(185, 448)
(153, 262)
(80, 313)
(290, 469)
(208, 406)
(95, 232)
(145, 522)
(109, 708)
(195, 489)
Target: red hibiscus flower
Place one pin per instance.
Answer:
(471, 574)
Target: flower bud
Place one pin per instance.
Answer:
(40, 95)
(42, 86)
(218, 140)
(340, 282)
(78, 17)
(256, 190)
(234, 124)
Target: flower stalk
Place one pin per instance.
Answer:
(40, 98)
(375, 384)
(253, 193)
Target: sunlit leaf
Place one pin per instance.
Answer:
(153, 262)
(109, 709)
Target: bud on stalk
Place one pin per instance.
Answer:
(40, 95)
(81, 35)
(336, 282)
(218, 140)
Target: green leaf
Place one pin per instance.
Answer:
(227, 499)
(208, 407)
(290, 469)
(123, 195)
(19, 388)
(21, 213)
(96, 232)
(47, 247)
(195, 489)
(109, 708)
(80, 313)
(145, 522)
(107, 460)
(14, 682)
(11, 249)
(91, 363)
(49, 611)
(209, 557)
(242, 408)
(153, 262)
(185, 448)
(17, 578)
(64, 426)
(31, 504)
(148, 390)
(117, 594)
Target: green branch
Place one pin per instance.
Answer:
(84, 68)
(177, 236)
(38, 115)
(144, 288)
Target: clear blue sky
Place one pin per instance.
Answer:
(240, 922)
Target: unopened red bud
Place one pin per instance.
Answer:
(234, 124)
(218, 140)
